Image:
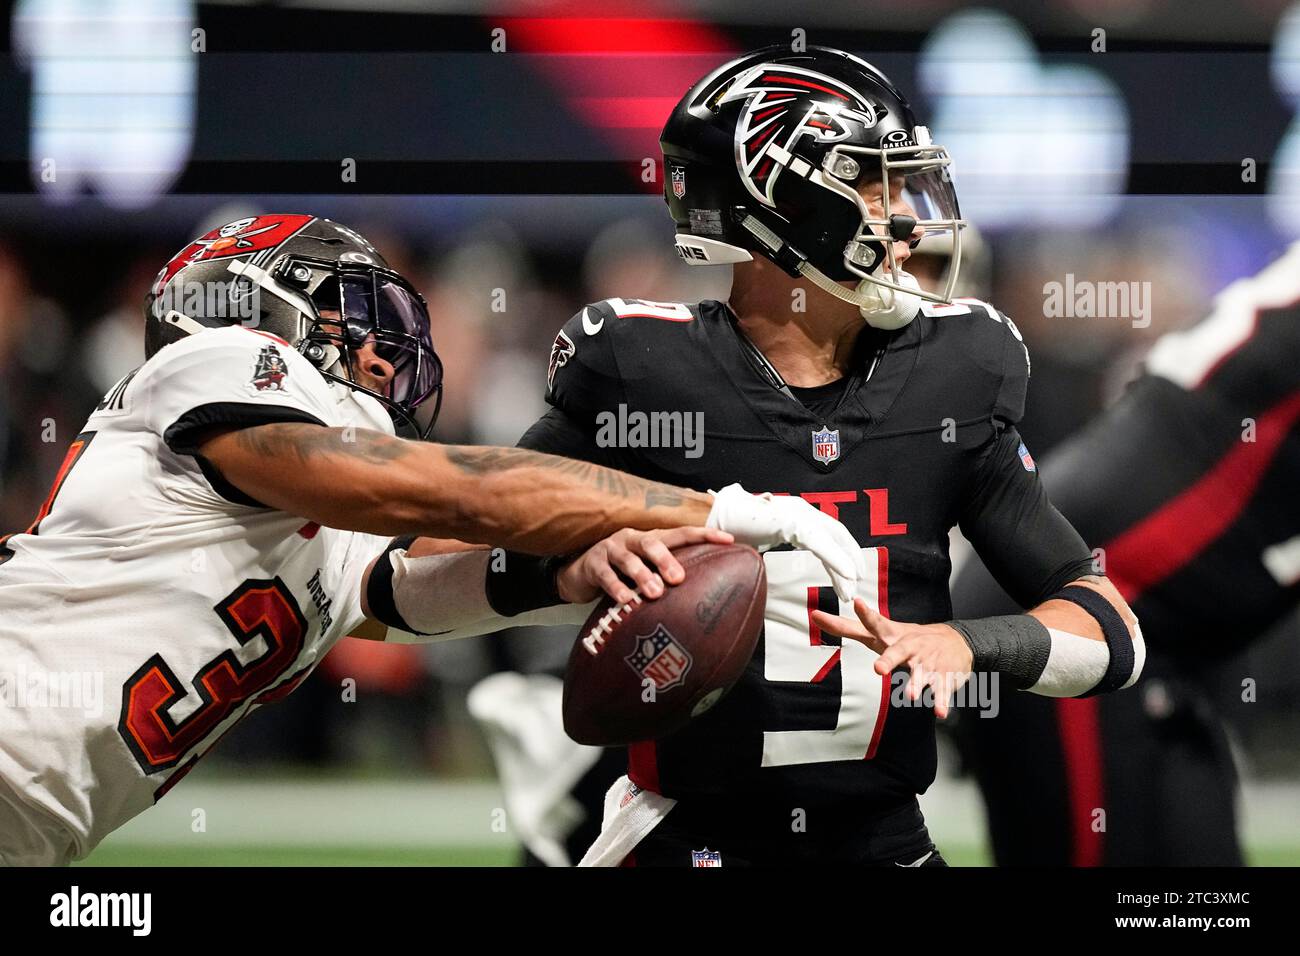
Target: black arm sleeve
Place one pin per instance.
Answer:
(1026, 543)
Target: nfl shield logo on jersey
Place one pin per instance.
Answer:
(706, 857)
(659, 657)
(1027, 459)
(678, 176)
(826, 445)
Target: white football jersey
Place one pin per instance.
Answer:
(151, 605)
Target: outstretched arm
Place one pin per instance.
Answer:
(363, 480)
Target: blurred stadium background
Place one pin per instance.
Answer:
(512, 186)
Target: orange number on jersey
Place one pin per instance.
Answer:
(75, 451)
(257, 608)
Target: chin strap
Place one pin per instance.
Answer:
(184, 322)
(831, 287)
(781, 250)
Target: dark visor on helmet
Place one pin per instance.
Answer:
(361, 306)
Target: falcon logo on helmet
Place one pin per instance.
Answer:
(815, 161)
(785, 103)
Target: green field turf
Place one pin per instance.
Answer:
(321, 821)
(129, 855)
(350, 856)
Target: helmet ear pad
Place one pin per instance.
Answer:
(708, 205)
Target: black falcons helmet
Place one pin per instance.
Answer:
(318, 285)
(767, 153)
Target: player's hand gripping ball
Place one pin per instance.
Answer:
(642, 670)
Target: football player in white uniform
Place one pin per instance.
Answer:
(211, 531)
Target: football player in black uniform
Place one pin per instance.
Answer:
(1187, 487)
(831, 375)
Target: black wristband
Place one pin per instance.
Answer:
(517, 583)
(1016, 645)
(1118, 641)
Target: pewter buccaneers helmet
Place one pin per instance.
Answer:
(318, 285)
(767, 153)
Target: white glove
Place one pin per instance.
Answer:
(765, 521)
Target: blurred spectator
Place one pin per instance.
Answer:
(44, 400)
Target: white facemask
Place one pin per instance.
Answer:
(889, 309)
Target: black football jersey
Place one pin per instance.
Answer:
(922, 438)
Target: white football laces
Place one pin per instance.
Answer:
(595, 638)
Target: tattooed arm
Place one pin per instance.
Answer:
(362, 480)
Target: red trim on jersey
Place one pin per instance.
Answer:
(882, 581)
(1174, 535)
(1142, 557)
(1219, 362)
(661, 318)
(1254, 327)
(814, 632)
(827, 667)
(70, 458)
(269, 335)
(882, 599)
(1079, 725)
(176, 778)
(643, 765)
(881, 716)
(629, 860)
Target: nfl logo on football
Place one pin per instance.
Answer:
(659, 657)
(679, 181)
(826, 445)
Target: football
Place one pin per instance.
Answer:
(642, 670)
